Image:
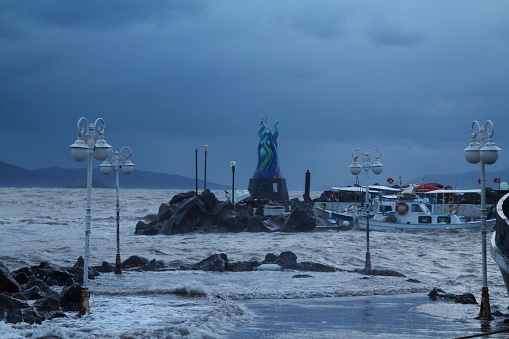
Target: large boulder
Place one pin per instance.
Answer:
(233, 220)
(216, 262)
(287, 260)
(315, 267)
(165, 212)
(15, 311)
(465, 298)
(134, 261)
(152, 228)
(299, 221)
(70, 298)
(7, 282)
(187, 218)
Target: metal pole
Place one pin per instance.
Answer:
(485, 312)
(368, 255)
(233, 185)
(118, 269)
(85, 295)
(196, 168)
(205, 174)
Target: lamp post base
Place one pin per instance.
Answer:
(118, 269)
(84, 305)
(368, 262)
(485, 313)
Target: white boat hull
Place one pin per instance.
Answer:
(375, 225)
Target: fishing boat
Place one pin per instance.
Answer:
(499, 246)
(415, 214)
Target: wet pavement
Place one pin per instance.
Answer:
(358, 317)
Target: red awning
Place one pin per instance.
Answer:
(426, 188)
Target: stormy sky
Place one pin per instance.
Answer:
(407, 77)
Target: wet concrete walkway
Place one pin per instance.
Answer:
(356, 317)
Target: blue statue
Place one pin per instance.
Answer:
(268, 159)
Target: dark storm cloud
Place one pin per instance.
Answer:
(91, 14)
(170, 76)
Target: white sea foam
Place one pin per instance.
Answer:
(48, 225)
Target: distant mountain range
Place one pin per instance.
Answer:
(56, 177)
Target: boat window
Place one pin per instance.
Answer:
(424, 219)
(385, 208)
(416, 208)
(444, 220)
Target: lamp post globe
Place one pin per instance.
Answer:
(105, 167)
(377, 167)
(102, 149)
(128, 167)
(355, 168)
(79, 150)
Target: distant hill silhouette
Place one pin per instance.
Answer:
(56, 177)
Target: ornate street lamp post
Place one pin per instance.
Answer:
(81, 151)
(205, 150)
(482, 149)
(232, 165)
(127, 168)
(355, 169)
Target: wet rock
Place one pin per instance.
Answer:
(255, 224)
(21, 277)
(165, 212)
(7, 282)
(465, 298)
(155, 265)
(105, 267)
(177, 198)
(46, 307)
(385, 273)
(299, 221)
(52, 276)
(287, 260)
(42, 286)
(134, 261)
(70, 298)
(151, 228)
(242, 266)
(186, 219)
(315, 267)
(15, 311)
(269, 258)
(32, 293)
(233, 220)
(216, 263)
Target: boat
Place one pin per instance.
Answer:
(499, 244)
(415, 214)
(345, 203)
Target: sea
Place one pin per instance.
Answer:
(41, 224)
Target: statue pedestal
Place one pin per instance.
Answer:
(274, 189)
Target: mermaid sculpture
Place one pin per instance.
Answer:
(268, 160)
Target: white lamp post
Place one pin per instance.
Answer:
(81, 151)
(232, 165)
(482, 149)
(355, 169)
(205, 150)
(127, 168)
